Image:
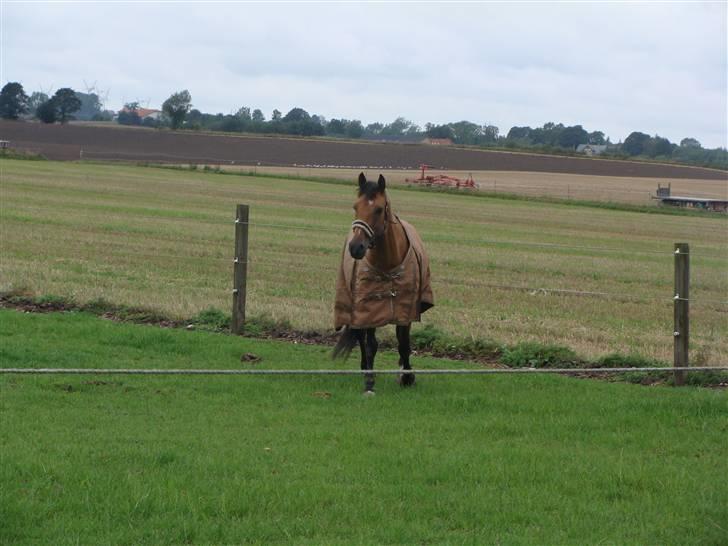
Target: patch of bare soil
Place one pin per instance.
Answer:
(74, 142)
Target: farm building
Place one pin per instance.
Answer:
(591, 149)
(144, 113)
(703, 203)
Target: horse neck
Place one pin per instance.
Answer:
(391, 250)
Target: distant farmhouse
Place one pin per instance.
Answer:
(703, 203)
(145, 113)
(592, 149)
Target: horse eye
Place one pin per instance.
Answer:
(378, 210)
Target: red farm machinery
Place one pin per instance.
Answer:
(442, 180)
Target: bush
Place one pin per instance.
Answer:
(536, 355)
(431, 338)
(426, 338)
(212, 319)
(50, 300)
(10, 153)
(616, 360)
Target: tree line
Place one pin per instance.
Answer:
(178, 113)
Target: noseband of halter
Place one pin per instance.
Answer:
(367, 229)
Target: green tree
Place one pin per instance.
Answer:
(540, 136)
(374, 129)
(47, 112)
(244, 114)
(91, 106)
(257, 116)
(13, 101)
(635, 143)
(129, 115)
(438, 131)
(66, 103)
(596, 137)
(176, 107)
(336, 127)
(518, 133)
(657, 146)
(690, 143)
(36, 99)
(571, 137)
(354, 129)
(465, 132)
(397, 128)
(276, 115)
(296, 114)
(490, 133)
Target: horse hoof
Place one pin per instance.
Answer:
(406, 379)
(369, 393)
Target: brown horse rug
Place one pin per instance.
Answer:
(369, 298)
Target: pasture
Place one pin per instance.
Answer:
(308, 460)
(164, 239)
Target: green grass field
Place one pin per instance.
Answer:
(308, 460)
(164, 239)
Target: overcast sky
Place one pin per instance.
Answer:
(617, 67)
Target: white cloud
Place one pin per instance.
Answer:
(655, 67)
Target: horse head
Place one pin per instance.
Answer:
(371, 216)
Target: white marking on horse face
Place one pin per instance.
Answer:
(371, 203)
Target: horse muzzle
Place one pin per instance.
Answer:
(359, 245)
(357, 249)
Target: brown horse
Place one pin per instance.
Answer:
(384, 279)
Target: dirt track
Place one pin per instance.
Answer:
(72, 142)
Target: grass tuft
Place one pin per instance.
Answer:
(264, 326)
(529, 354)
(436, 341)
(427, 338)
(212, 319)
(617, 360)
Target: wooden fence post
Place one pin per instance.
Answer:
(681, 299)
(240, 269)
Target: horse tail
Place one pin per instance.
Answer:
(346, 343)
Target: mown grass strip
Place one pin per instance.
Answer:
(504, 195)
(170, 460)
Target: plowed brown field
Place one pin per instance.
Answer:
(71, 142)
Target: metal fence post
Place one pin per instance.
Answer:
(681, 333)
(240, 269)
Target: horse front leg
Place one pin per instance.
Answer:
(403, 343)
(369, 352)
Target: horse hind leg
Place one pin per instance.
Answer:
(369, 345)
(403, 343)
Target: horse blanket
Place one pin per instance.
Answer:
(368, 298)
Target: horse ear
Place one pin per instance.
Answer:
(362, 181)
(382, 183)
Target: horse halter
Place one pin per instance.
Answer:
(368, 230)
